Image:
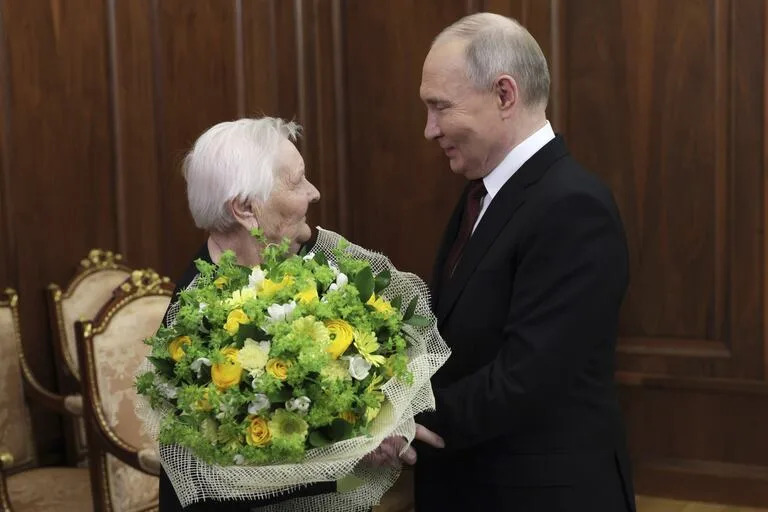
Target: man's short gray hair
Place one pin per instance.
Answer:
(496, 45)
(233, 160)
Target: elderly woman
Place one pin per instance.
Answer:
(242, 175)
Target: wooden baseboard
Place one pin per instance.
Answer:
(716, 482)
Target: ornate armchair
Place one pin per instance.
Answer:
(90, 288)
(24, 486)
(123, 463)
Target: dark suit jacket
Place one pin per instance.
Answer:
(526, 402)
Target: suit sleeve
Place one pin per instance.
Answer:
(568, 286)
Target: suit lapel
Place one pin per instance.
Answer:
(511, 196)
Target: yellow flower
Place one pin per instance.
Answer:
(176, 347)
(257, 433)
(240, 297)
(278, 368)
(349, 417)
(308, 295)
(227, 374)
(380, 304)
(366, 344)
(234, 319)
(341, 337)
(253, 355)
(269, 287)
(220, 282)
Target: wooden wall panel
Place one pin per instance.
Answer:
(7, 235)
(135, 103)
(61, 178)
(666, 101)
(197, 88)
(401, 189)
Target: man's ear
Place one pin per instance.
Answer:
(243, 212)
(507, 93)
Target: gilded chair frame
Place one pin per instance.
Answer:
(69, 405)
(102, 438)
(96, 261)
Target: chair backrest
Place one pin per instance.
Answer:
(90, 288)
(112, 349)
(15, 423)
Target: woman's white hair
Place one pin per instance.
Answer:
(497, 45)
(233, 160)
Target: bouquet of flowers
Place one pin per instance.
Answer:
(276, 376)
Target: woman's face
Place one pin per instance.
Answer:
(284, 213)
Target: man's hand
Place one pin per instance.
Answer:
(387, 453)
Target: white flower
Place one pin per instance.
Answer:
(341, 279)
(201, 307)
(310, 256)
(254, 356)
(258, 404)
(300, 404)
(278, 312)
(238, 459)
(334, 268)
(256, 277)
(358, 366)
(197, 365)
(333, 287)
(167, 390)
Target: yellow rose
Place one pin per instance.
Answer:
(257, 433)
(220, 282)
(278, 368)
(227, 374)
(176, 347)
(269, 287)
(349, 417)
(380, 304)
(234, 319)
(308, 295)
(342, 335)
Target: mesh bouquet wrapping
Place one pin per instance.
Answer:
(195, 480)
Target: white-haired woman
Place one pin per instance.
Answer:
(242, 175)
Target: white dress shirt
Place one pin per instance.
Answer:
(511, 163)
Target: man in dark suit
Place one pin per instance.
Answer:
(527, 287)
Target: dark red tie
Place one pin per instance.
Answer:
(471, 212)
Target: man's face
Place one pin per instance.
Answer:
(465, 121)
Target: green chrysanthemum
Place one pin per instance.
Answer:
(336, 369)
(286, 424)
(309, 326)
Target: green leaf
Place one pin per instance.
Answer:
(382, 280)
(320, 258)
(318, 440)
(397, 302)
(340, 429)
(418, 321)
(411, 309)
(250, 331)
(280, 396)
(164, 366)
(364, 283)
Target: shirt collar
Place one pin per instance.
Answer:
(516, 158)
